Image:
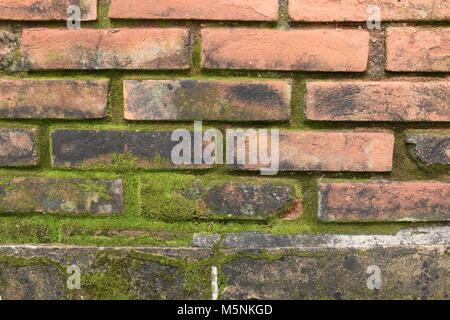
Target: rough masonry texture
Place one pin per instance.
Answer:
(53, 99)
(296, 146)
(243, 10)
(418, 49)
(150, 48)
(207, 100)
(18, 147)
(37, 10)
(257, 49)
(53, 195)
(378, 101)
(384, 201)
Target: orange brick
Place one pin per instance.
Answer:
(151, 48)
(263, 49)
(418, 49)
(244, 10)
(329, 151)
(34, 10)
(357, 10)
(378, 101)
(384, 201)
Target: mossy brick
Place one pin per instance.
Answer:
(46, 10)
(321, 151)
(242, 10)
(207, 100)
(9, 43)
(140, 48)
(302, 50)
(145, 273)
(357, 10)
(122, 149)
(430, 148)
(418, 49)
(398, 101)
(393, 272)
(18, 147)
(53, 99)
(60, 195)
(384, 201)
(185, 197)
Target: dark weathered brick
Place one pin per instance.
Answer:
(183, 197)
(40, 273)
(430, 148)
(413, 272)
(18, 147)
(140, 48)
(207, 100)
(57, 195)
(35, 10)
(384, 201)
(305, 49)
(53, 99)
(378, 101)
(119, 149)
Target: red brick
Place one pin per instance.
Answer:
(378, 101)
(34, 10)
(18, 147)
(244, 10)
(53, 99)
(330, 151)
(418, 49)
(207, 100)
(151, 48)
(307, 49)
(356, 10)
(384, 201)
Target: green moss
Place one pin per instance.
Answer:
(176, 197)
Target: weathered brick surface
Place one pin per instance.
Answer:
(378, 101)
(309, 50)
(120, 149)
(53, 99)
(18, 147)
(184, 197)
(39, 273)
(244, 10)
(150, 48)
(384, 201)
(329, 151)
(45, 9)
(56, 195)
(357, 10)
(406, 273)
(431, 149)
(207, 100)
(418, 49)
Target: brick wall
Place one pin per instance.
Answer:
(86, 119)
